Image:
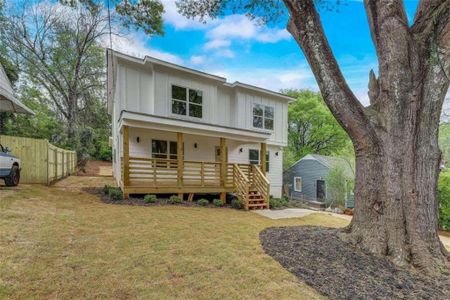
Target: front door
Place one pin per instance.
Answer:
(321, 190)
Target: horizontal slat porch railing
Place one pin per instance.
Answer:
(157, 172)
(149, 175)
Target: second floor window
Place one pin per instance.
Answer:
(187, 102)
(263, 116)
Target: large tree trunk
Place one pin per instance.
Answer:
(396, 138)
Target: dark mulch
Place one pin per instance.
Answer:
(317, 256)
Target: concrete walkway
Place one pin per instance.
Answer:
(302, 212)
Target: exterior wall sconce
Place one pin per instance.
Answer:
(276, 153)
(195, 145)
(241, 150)
(138, 139)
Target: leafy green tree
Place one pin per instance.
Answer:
(444, 141)
(337, 186)
(395, 138)
(444, 199)
(58, 47)
(312, 128)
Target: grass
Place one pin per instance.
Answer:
(60, 242)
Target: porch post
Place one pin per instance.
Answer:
(126, 158)
(223, 166)
(263, 154)
(180, 163)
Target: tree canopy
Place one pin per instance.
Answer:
(312, 128)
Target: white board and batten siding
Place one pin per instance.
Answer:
(144, 87)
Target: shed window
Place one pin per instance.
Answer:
(298, 184)
(187, 102)
(263, 116)
(253, 157)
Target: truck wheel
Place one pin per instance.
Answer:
(14, 177)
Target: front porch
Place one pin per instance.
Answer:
(177, 174)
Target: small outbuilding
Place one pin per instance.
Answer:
(307, 178)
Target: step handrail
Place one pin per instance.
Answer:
(241, 184)
(261, 184)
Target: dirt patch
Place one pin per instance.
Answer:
(317, 256)
(96, 168)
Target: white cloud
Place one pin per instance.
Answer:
(135, 45)
(241, 27)
(225, 53)
(197, 59)
(216, 43)
(270, 78)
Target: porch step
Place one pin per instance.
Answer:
(256, 201)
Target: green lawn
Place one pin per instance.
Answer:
(64, 243)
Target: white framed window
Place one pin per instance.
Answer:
(263, 116)
(298, 184)
(164, 149)
(254, 155)
(187, 102)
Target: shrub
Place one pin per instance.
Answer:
(203, 202)
(150, 198)
(175, 200)
(444, 200)
(235, 203)
(273, 203)
(106, 189)
(115, 194)
(218, 202)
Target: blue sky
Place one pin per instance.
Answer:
(267, 56)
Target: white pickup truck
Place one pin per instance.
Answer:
(9, 167)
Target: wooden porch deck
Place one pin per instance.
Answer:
(178, 176)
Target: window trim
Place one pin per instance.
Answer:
(188, 103)
(168, 154)
(259, 159)
(301, 184)
(263, 117)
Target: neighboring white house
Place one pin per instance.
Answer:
(9, 103)
(166, 109)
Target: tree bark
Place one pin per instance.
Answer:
(396, 138)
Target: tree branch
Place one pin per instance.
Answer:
(306, 28)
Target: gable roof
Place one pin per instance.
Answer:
(329, 162)
(219, 79)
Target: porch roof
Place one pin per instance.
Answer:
(148, 121)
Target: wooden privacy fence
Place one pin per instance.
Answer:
(41, 162)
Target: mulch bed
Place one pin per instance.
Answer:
(317, 256)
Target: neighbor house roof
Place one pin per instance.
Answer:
(330, 162)
(9, 103)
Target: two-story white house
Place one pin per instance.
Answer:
(179, 130)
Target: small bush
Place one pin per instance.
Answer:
(115, 194)
(202, 202)
(106, 189)
(150, 199)
(444, 200)
(274, 203)
(174, 200)
(235, 203)
(218, 202)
